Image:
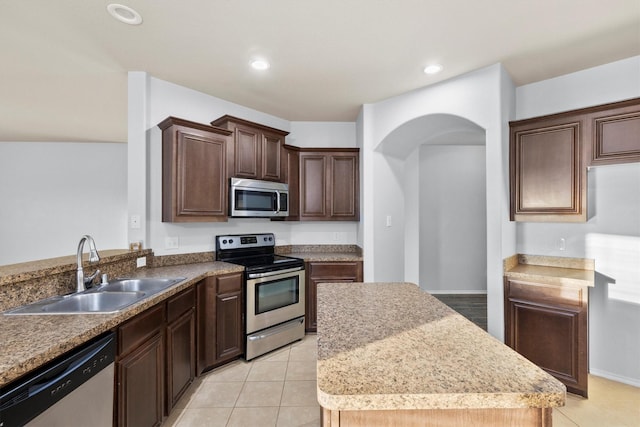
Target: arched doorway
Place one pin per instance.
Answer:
(444, 201)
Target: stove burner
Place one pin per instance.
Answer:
(253, 251)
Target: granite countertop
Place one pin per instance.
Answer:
(384, 346)
(32, 340)
(322, 253)
(559, 271)
(326, 256)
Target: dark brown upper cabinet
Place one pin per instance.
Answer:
(329, 184)
(194, 171)
(549, 156)
(547, 173)
(291, 176)
(615, 133)
(257, 150)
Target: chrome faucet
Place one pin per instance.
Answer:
(82, 282)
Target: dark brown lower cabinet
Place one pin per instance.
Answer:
(156, 361)
(181, 339)
(220, 320)
(335, 272)
(548, 324)
(140, 370)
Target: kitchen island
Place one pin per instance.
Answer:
(391, 354)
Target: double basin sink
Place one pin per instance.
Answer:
(100, 299)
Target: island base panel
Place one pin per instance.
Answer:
(525, 417)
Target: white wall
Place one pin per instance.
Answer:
(481, 97)
(453, 219)
(614, 341)
(52, 193)
(322, 134)
(163, 99)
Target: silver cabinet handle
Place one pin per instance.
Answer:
(229, 298)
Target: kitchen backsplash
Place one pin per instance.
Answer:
(28, 282)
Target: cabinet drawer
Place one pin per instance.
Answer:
(334, 269)
(181, 303)
(135, 331)
(542, 293)
(227, 284)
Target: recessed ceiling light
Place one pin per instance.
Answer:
(260, 64)
(124, 14)
(433, 69)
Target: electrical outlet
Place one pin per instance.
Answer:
(388, 221)
(561, 244)
(171, 242)
(135, 221)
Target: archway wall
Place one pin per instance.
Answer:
(485, 97)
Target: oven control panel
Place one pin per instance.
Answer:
(240, 241)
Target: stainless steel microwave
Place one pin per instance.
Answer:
(252, 198)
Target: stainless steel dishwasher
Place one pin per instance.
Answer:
(76, 389)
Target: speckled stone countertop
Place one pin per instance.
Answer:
(322, 253)
(384, 346)
(29, 341)
(326, 256)
(553, 270)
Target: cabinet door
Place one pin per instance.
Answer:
(329, 185)
(206, 324)
(208, 290)
(615, 134)
(334, 272)
(229, 337)
(194, 172)
(248, 149)
(547, 180)
(344, 185)
(181, 366)
(313, 186)
(141, 386)
(291, 175)
(272, 144)
(257, 149)
(547, 324)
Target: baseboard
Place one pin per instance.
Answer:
(613, 377)
(453, 291)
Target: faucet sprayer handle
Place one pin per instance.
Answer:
(88, 280)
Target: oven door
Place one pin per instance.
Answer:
(274, 298)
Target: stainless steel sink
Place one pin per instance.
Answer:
(82, 303)
(148, 285)
(94, 302)
(109, 298)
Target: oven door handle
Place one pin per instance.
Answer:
(274, 273)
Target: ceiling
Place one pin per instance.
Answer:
(64, 63)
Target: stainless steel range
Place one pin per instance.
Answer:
(274, 293)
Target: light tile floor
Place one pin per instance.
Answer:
(610, 404)
(279, 390)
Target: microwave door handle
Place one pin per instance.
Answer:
(277, 201)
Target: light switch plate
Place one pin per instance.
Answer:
(135, 221)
